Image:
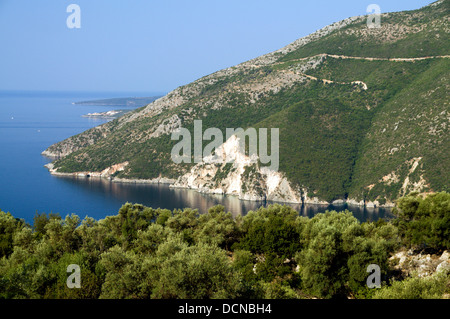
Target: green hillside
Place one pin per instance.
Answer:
(413, 124)
(338, 138)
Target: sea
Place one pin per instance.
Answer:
(31, 121)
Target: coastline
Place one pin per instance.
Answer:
(103, 175)
(171, 182)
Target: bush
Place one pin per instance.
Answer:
(201, 271)
(271, 230)
(416, 288)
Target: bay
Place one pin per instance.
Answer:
(32, 121)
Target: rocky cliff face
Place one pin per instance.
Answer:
(238, 174)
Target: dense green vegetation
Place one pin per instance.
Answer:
(398, 134)
(326, 134)
(269, 253)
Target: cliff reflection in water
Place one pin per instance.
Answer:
(162, 196)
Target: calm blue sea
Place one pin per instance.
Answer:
(32, 121)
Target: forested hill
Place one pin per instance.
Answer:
(363, 115)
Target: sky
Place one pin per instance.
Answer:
(153, 46)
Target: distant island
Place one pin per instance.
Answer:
(134, 102)
(122, 101)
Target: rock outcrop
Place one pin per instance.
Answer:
(421, 265)
(232, 173)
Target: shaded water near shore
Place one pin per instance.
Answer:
(164, 196)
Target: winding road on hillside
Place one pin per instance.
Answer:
(335, 56)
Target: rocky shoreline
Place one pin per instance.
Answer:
(107, 175)
(239, 175)
(308, 201)
(234, 174)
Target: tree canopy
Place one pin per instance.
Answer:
(272, 252)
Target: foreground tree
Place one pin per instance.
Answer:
(338, 250)
(201, 271)
(424, 222)
(8, 227)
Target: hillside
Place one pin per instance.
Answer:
(363, 116)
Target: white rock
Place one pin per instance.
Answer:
(445, 256)
(354, 202)
(443, 266)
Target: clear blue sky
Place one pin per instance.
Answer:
(153, 46)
